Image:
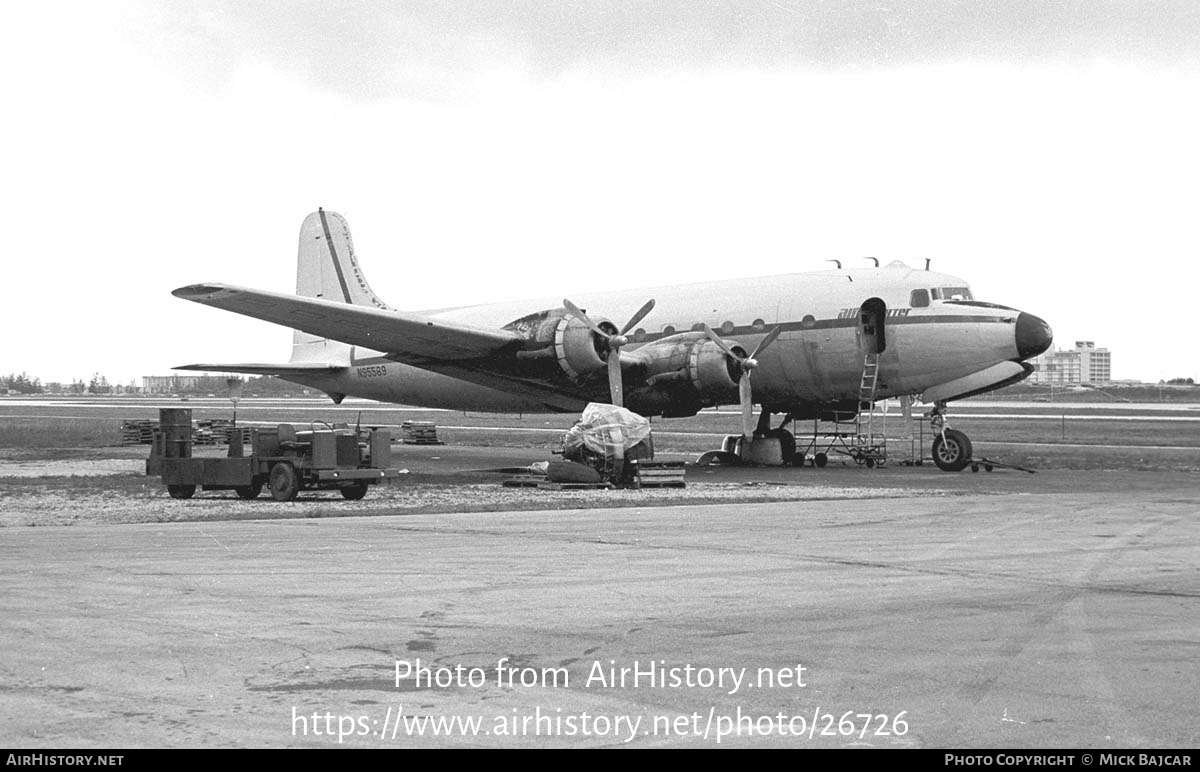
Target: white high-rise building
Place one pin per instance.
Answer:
(1083, 364)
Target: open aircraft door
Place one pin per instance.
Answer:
(872, 333)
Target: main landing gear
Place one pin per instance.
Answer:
(768, 447)
(951, 448)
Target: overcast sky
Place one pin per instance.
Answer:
(1044, 150)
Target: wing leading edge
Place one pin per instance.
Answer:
(410, 337)
(293, 369)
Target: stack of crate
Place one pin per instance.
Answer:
(419, 433)
(138, 432)
(211, 431)
(660, 474)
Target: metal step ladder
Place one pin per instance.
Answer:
(866, 396)
(870, 447)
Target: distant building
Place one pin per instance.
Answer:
(168, 384)
(1083, 364)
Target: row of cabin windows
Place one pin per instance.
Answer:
(727, 327)
(920, 298)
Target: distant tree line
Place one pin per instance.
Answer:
(22, 384)
(218, 385)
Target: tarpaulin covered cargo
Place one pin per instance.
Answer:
(605, 430)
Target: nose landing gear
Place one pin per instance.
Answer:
(951, 448)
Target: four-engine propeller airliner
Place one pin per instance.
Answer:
(806, 345)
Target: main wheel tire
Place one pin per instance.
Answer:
(820, 460)
(284, 483)
(787, 445)
(181, 491)
(354, 492)
(250, 491)
(951, 451)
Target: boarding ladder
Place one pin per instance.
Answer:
(866, 395)
(869, 447)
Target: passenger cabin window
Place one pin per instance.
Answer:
(919, 298)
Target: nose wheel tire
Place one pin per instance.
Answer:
(951, 451)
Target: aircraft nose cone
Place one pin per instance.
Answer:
(1033, 335)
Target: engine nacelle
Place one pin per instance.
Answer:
(691, 366)
(712, 373)
(578, 350)
(557, 335)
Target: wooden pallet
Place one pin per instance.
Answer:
(139, 432)
(664, 474)
(419, 433)
(209, 431)
(541, 483)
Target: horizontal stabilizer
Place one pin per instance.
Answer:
(282, 371)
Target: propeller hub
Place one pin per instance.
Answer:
(749, 364)
(616, 341)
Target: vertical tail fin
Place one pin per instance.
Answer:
(327, 268)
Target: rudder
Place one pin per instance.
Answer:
(327, 268)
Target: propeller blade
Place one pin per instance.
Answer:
(639, 316)
(615, 386)
(613, 343)
(717, 339)
(747, 399)
(771, 336)
(581, 316)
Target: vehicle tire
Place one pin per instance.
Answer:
(820, 460)
(870, 463)
(250, 491)
(354, 492)
(284, 483)
(181, 491)
(951, 451)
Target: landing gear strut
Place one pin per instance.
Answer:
(951, 448)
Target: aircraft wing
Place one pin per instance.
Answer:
(253, 368)
(411, 337)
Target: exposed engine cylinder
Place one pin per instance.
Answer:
(577, 349)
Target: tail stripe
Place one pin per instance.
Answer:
(337, 265)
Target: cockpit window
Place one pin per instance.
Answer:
(956, 293)
(919, 298)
